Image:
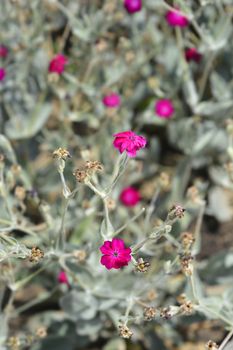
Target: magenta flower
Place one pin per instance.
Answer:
(57, 64)
(130, 142)
(192, 54)
(130, 196)
(3, 51)
(164, 108)
(115, 255)
(62, 278)
(112, 100)
(176, 19)
(2, 74)
(133, 6)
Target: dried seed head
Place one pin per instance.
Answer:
(142, 266)
(13, 343)
(187, 239)
(80, 175)
(187, 308)
(210, 345)
(93, 166)
(168, 312)
(80, 255)
(61, 153)
(41, 332)
(177, 211)
(36, 255)
(186, 264)
(20, 193)
(125, 332)
(149, 313)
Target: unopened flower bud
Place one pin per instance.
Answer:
(80, 255)
(20, 193)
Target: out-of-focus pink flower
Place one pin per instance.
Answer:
(62, 278)
(2, 74)
(115, 254)
(130, 142)
(176, 19)
(164, 108)
(133, 6)
(112, 100)
(57, 64)
(130, 196)
(192, 54)
(3, 51)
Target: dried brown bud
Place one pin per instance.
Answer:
(177, 211)
(210, 345)
(186, 264)
(181, 299)
(187, 239)
(142, 266)
(125, 332)
(151, 295)
(80, 255)
(41, 332)
(169, 312)
(61, 153)
(20, 193)
(187, 308)
(111, 204)
(53, 77)
(36, 255)
(93, 166)
(193, 194)
(149, 313)
(80, 175)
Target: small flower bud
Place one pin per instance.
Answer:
(149, 313)
(142, 266)
(125, 332)
(177, 211)
(164, 181)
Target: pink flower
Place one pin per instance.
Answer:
(115, 255)
(164, 108)
(3, 51)
(130, 196)
(130, 142)
(112, 100)
(192, 54)
(2, 74)
(57, 64)
(133, 6)
(176, 19)
(62, 278)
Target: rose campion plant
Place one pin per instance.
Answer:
(176, 19)
(133, 6)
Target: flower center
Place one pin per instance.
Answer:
(132, 138)
(115, 254)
